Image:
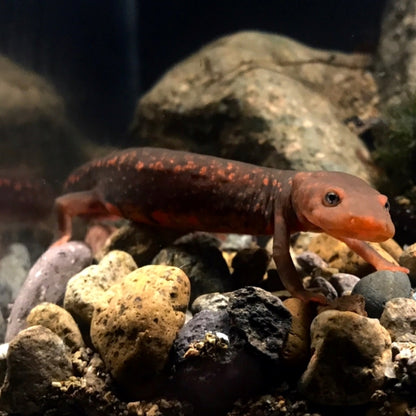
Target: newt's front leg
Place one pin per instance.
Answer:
(371, 256)
(285, 267)
(85, 203)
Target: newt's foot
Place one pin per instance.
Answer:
(64, 239)
(308, 296)
(394, 268)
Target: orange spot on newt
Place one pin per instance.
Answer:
(159, 165)
(112, 162)
(139, 165)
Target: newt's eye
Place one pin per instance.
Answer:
(387, 206)
(332, 199)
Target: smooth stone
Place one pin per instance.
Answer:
(47, 280)
(380, 287)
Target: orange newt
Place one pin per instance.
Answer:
(189, 191)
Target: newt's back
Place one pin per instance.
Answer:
(183, 190)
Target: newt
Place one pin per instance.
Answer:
(24, 198)
(188, 191)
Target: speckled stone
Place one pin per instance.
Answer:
(399, 318)
(137, 321)
(351, 355)
(36, 357)
(47, 280)
(84, 290)
(380, 287)
(59, 321)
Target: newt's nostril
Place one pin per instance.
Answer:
(384, 201)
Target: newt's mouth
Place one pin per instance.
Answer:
(366, 229)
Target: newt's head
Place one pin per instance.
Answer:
(341, 205)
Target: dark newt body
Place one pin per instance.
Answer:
(190, 191)
(24, 198)
(183, 190)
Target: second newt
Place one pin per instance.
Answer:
(189, 191)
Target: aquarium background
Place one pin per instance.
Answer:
(102, 55)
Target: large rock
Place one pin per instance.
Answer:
(34, 128)
(47, 280)
(222, 355)
(136, 323)
(351, 355)
(36, 358)
(263, 99)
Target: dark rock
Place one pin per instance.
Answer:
(141, 241)
(250, 265)
(46, 281)
(36, 358)
(220, 356)
(197, 254)
(258, 315)
(202, 322)
(381, 286)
